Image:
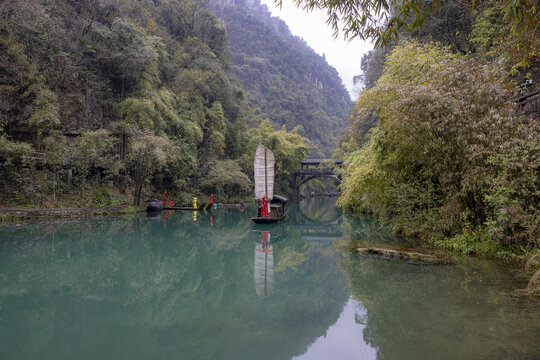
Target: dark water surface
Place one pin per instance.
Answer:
(211, 285)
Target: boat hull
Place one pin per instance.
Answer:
(266, 220)
(154, 206)
(278, 211)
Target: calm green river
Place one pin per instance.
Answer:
(212, 285)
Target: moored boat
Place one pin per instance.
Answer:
(154, 205)
(278, 211)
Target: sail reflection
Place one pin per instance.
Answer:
(263, 267)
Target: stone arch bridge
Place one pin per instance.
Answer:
(316, 167)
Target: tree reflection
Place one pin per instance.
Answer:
(444, 312)
(134, 288)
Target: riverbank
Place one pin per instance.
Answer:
(12, 215)
(366, 234)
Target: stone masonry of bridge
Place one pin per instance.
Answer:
(310, 168)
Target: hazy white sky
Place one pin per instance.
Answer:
(343, 55)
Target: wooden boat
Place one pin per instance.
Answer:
(263, 167)
(278, 211)
(154, 205)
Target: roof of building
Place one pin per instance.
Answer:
(317, 160)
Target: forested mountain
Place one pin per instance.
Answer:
(122, 94)
(285, 78)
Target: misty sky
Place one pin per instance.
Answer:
(343, 55)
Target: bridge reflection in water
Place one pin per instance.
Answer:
(315, 220)
(318, 219)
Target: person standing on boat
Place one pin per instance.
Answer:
(265, 206)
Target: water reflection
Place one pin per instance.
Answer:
(464, 311)
(344, 339)
(164, 287)
(318, 219)
(263, 267)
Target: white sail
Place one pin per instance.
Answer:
(264, 173)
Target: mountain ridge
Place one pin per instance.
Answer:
(285, 78)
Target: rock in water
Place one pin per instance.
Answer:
(411, 257)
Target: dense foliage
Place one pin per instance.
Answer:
(126, 95)
(287, 80)
(449, 155)
(482, 31)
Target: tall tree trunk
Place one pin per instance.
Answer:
(138, 193)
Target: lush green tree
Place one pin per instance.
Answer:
(94, 149)
(56, 159)
(214, 130)
(158, 68)
(450, 25)
(16, 165)
(513, 196)
(135, 54)
(44, 117)
(371, 65)
(429, 165)
(487, 29)
(148, 154)
(226, 181)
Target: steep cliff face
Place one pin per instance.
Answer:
(283, 76)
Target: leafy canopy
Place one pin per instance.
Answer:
(382, 20)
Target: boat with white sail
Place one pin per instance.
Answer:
(272, 207)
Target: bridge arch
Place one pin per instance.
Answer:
(307, 179)
(316, 167)
(306, 219)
